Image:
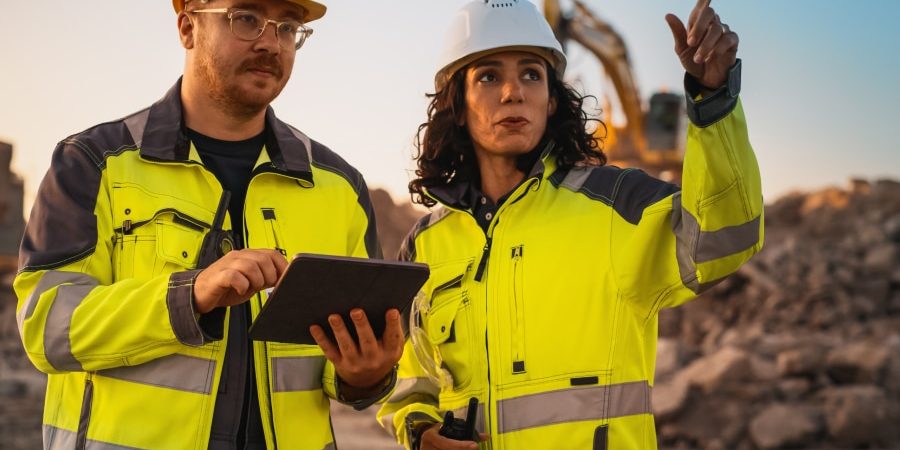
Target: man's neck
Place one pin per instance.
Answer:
(206, 116)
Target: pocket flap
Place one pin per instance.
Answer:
(442, 314)
(178, 243)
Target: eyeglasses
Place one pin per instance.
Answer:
(249, 26)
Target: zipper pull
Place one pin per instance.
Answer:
(126, 227)
(484, 257)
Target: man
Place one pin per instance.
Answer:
(128, 296)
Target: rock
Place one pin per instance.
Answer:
(882, 258)
(668, 398)
(793, 389)
(782, 425)
(668, 357)
(892, 228)
(858, 362)
(861, 416)
(13, 389)
(805, 360)
(729, 364)
(763, 369)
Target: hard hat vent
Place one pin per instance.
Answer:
(501, 4)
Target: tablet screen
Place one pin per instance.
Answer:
(316, 286)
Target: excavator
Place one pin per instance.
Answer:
(651, 139)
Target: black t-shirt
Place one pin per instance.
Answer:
(232, 163)
(236, 417)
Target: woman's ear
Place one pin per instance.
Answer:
(551, 106)
(186, 30)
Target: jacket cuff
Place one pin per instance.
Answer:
(711, 108)
(387, 385)
(189, 327)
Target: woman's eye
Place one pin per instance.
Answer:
(532, 75)
(487, 77)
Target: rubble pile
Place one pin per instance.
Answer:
(800, 348)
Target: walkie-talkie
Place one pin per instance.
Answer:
(216, 244)
(459, 429)
(217, 241)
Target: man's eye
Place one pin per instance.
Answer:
(247, 19)
(288, 27)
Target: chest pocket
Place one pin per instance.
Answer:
(154, 233)
(448, 322)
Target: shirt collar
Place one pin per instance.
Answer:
(164, 138)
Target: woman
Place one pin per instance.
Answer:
(548, 268)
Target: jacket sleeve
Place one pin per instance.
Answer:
(71, 315)
(414, 400)
(686, 241)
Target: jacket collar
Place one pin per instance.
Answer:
(164, 138)
(457, 193)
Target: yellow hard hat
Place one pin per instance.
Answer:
(314, 10)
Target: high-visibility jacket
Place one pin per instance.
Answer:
(106, 274)
(549, 318)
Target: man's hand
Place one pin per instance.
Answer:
(236, 277)
(432, 440)
(361, 367)
(708, 48)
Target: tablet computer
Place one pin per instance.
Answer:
(316, 286)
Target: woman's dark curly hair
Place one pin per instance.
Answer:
(445, 151)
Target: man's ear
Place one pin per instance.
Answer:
(186, 30)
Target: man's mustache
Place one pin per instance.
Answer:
(266, 63)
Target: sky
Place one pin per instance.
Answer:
(820, 87)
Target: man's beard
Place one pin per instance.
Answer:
(234, 98)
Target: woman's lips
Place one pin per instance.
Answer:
(513, 122)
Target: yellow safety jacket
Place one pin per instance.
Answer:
(549, 318)
(106, 274)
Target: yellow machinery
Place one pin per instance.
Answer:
(651, 139)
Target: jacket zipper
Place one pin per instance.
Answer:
(272, 220)
(85, 419)
(485, 253)
(482, 267)
(518, 319)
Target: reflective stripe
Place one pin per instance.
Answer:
(299, 373)
(411, 386)
(57, 343)
(572, 405)
(693, 246)
(727, 241)
(305, 140)
(480, 426)
(59, 439)
(387, 422)
(50, 279)
(576, 178)
(686, 229)
(136, 125)
(180, 372)
(436, 215)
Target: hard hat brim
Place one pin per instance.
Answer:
(314, 10)
(557, 62)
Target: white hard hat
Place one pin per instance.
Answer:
(483, 27)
